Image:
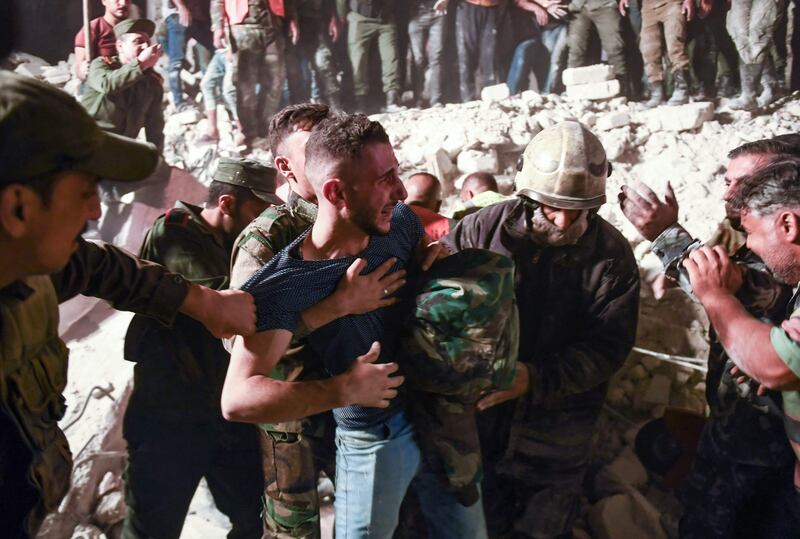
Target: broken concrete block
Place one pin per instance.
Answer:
(658, 390)
(87, 531)
(498, 92)
(629, 469)
(680, 118)
(471, 161)
(440, 165)
(28, 70)
(612, 120)
(187, 117)
(625, 516)
(595, 90)
(532, 98)
(587, 75)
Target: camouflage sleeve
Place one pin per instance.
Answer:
(108, 80)
(598, 352)
(180, 251)
(107, 272)
(761, 294)
(251, 251)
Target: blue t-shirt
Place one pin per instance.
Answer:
(287, 285)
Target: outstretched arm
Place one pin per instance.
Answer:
(250, 395)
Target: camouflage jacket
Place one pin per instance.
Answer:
(461, 341)
(180, 370)
(125, 99)
(270, 232)
(747, 428)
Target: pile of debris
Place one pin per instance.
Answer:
(686, 145)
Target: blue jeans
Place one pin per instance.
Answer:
(427, 28)
(375, 467)
(554, 40)
(217, 84)
(175, 47)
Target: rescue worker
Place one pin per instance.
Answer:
(51, 156)
(255, 35)
(123, 91)
(751, 24)
(665, 21)
(743, 454)
(173, 424)
(577, 289)
(766, 352)
(478, 191)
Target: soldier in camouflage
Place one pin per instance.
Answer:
(743, 454)
(51, 156)
(255, 35)
(293, 452)
(173, 424)
(577, 288)
(461, 343)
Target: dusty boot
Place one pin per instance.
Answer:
(360, 104)
(656, 94)
(747, 99)
(725, 86)
(769, 85)
(680, 94)
(393, 101)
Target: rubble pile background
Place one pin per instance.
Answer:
(686, 145)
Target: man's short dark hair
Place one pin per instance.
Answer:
(217, 189)
(43, 185)
(339, 140)
(481, 180)
(788, 145)
(769, 189)
(286, 121)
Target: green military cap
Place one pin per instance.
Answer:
(260, 179)
(128, 26)
(44, 130)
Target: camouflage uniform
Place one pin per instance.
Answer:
(604, 15)
(313, 49)
(173, 423)
(751, 24)
(258, 48)
(743, 455)
(578, 308)
(655, 15)
(294, 452)
(462, 341)
(35, 460)
(125, 99)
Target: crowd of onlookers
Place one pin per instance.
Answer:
(367, 55)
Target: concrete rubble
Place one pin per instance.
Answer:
(685, 145)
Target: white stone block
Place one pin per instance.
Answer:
(612, 120)
(470, 161)
(680, 118)
(587, 75)
(595, 90)
(625, 516)
(498, 92)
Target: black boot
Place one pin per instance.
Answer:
(680, 93)
(656, 94)
(747, 99)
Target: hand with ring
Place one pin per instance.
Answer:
(359, 294)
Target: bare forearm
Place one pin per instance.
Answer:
(747, 342)
(261, 399)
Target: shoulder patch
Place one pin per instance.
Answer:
(177, 217)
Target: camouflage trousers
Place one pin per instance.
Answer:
(751, 24)
(258, 72)
(312, 53)
(726, 499)
(534, 489)
(663, 21)
(292, 459)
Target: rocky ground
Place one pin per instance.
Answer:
(684, 145)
